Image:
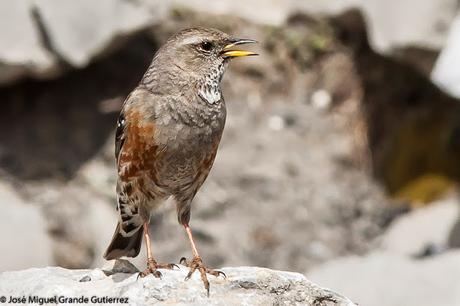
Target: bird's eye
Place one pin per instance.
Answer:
(206, 46)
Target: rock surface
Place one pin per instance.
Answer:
(18, 237)
(387, 279)
(444, 73)
(21, 50)
(79, 31)
(243, 286)
(395, 25)
(415, 263)
(42, 38)
(423, 231)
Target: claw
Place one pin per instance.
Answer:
(152, 268)
(216, 273)
(148, 271)
(190, 273)
(197, 264)
(157, 274)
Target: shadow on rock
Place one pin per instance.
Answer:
(49, 128)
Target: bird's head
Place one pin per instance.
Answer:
(202, 49)
(196, 57)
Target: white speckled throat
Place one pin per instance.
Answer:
(209, 88)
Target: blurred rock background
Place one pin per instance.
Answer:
(340, 158)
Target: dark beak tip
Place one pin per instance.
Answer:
(241, 41)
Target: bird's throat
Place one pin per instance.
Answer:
(209, 86)
(210, 93)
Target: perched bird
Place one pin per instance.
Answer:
(167, 137)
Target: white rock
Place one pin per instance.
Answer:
(100, 220)
(21, 51)
(77, 31)
(394, 24)
(243, 286)
(25, 242)
(80, 30)
(445, 72)
(430, 226)
(385, 279)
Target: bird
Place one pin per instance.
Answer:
(166, 140)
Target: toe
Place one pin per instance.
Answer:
(169, 266)
(216, 273)
(189, 275)
(204, 278)
(144, 273)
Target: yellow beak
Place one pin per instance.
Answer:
(228, 53)
(237, 53)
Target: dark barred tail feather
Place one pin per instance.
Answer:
(127, 239)
(124, 246)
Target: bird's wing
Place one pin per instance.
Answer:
(134, 149)
(134, 137)
(136, 153)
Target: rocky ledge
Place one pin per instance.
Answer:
(120, 285)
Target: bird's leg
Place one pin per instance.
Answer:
(197, 263)
(152, 265)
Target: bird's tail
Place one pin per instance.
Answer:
(127, 239)
(124, 245)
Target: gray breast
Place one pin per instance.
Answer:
(187, 132)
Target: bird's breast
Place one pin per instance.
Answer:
(190, 150)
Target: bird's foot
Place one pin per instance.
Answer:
(197, 264)
(153, 266)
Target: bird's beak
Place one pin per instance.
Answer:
(227, 52)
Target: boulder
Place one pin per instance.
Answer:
(25, 241)
(243, 286)
(41, 38)
(394, 25)
(424, 230)
(21, 50)
(388, 279)
(445, 73)
(81, 30)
